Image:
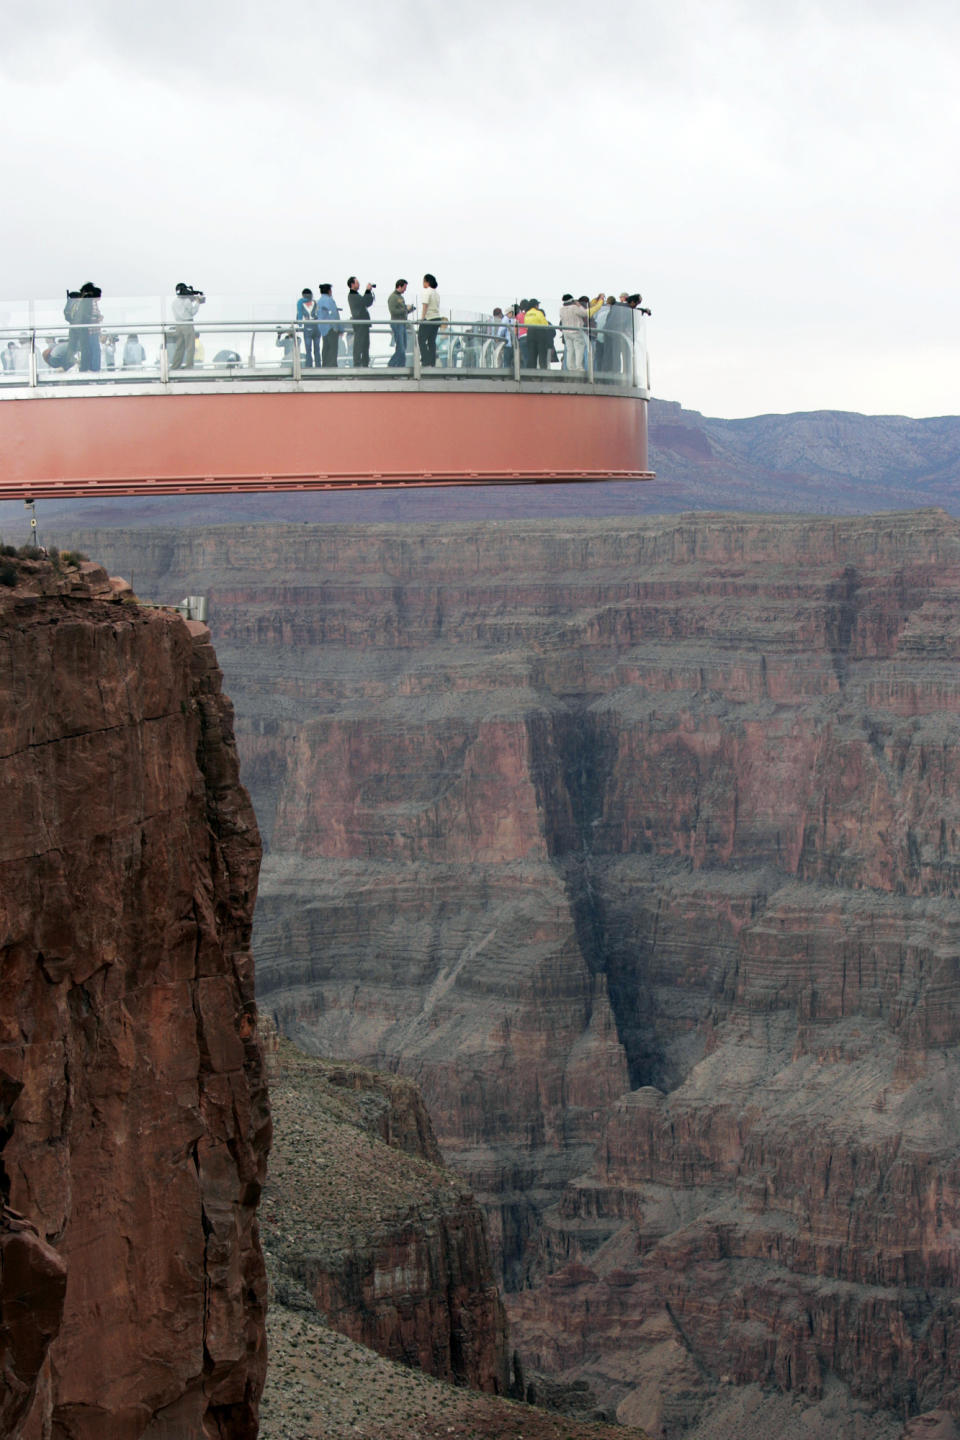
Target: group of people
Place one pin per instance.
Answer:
(602, 328)
(605, 324)
(320, 322)
(84, 344)
(597, 332)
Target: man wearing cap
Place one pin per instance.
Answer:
(571, 321)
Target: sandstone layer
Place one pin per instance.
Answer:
(134, 1113)
(636, 844)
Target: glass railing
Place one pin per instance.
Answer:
(229, 339)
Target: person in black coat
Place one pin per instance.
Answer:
(360, 307)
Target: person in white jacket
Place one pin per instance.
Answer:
(187, 302)
(572, 322)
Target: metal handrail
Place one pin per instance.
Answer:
(467, 347)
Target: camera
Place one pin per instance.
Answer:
(191, 293)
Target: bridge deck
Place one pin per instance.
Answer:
(234, 436)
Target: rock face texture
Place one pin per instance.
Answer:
(133, 1113)
(32, 1284)
(636, 844)
(363, 1228)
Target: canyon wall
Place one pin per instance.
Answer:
(636, 844)
(133, 1114)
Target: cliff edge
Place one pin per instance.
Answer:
(134, 1122)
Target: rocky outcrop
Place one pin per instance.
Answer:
(33, 1280)
(636, 845)
(135, 1121)
(362, 1226)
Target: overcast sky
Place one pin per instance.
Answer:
(778, 179)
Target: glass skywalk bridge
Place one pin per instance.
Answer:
(251, 414)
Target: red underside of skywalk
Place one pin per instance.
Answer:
(171, 442)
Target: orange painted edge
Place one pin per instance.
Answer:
(171, 443)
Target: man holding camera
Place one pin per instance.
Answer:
(187, 302)
(360, 307)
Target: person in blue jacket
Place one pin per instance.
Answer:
(307, 312)
(329, 328)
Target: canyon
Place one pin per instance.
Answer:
(134, 1113)
(635, 844)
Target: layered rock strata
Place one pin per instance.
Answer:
(637, 845)
(135, 1124)
(365, 1230)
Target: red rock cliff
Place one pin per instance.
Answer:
(134, 1119)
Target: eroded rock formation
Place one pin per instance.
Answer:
(363, 1227)
(637, 845)
(135, 1123)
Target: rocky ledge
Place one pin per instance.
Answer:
(362, 1227)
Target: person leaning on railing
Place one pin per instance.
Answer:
(619, 334)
